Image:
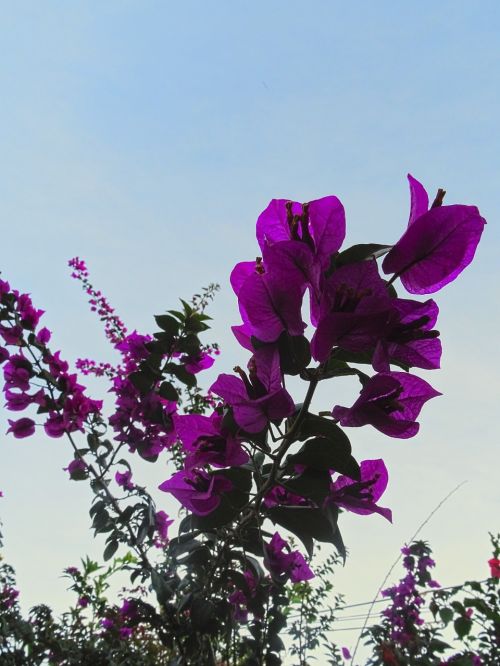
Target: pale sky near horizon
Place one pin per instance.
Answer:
(147, 136)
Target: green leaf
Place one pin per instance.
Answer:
(462, 626)
(314, 425)
(202, 615)
(323, 453)
(307, 524)
(110, 550)
(194, 324)
(101, 521)
(182, 374)
(312, 484)
(189, 344)
(446, 615)
(361, 252)
(143, 381)
(295, 353)
(168, 391)
(161, 587)
(167, 324)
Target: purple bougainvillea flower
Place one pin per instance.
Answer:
(198, 363)
(12, 335)
(17, 373)
(319, 224)
(134, 346)
(17, 402)
(162, 523)
(270, 303)
(284, 564)
(28, 315)
(43, 336)
(258, 398)
(294, 262)
(243, 334)
(21, 428)
(55, 425)
(361, 496)
(4, 354)
(279, 496)
(124, 479)
(197, 490)
(345, 653)
(107, 623)
(76, 468)
(438, 244)
(353, 310)
(390, 402)
(409, 337)
(207, 442)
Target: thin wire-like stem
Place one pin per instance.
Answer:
(394, 564)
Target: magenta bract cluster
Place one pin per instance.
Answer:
(354, 316)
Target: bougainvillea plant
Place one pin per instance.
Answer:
(250, 463)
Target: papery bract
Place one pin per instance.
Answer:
(17, 372)
(437, 245)
(390, 402)
(207, 442)
(77, 468)
(353, 310)
(320, 224)
(22, 428)
(162, 523)
(260, 398)
(361, 496)
(124, 479)
(284, 564)
(271, 303)
(408, 336)
(197, 490)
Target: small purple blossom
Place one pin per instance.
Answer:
(18, 372)
(284, 564)
(107, 623)
(162, 523)
(196, 364)
(124, 479)
(258, 398)
(353, 310)
(270, 302)
(22, 428)
(43, 336)
(77, 469)
(346, 654)
(409, 336)
(207, 442)
(361, 496)
(8, 597)
(319, 225)
(197, 490)
(390, 402)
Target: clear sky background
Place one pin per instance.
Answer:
(146, 137)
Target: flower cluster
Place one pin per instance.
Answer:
(62, 401)
(403, 615)
(356, 317)
(249, 455)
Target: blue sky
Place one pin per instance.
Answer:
(147, 136)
